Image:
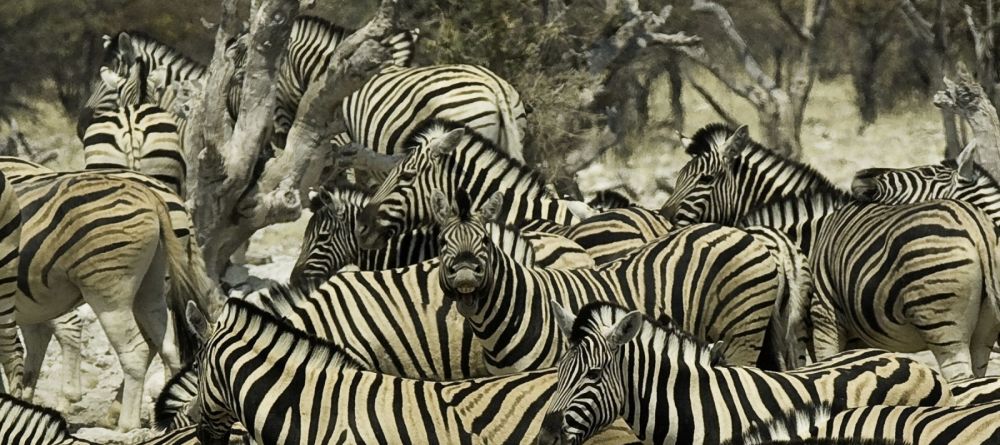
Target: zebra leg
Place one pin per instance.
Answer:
(11, 350)
(983, 338)
(36, 341)
(947, 330)
(133, 353)
(68, 330)
(152, 316)
(828, 334)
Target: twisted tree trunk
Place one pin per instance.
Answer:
(967, 98)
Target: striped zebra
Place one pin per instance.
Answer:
(136, 136)
(306, 60)
(605, 200)
(973, 424)
(254, 371)
(718, 282)
(329, 242)
(903, 278)
(27, 424)
(120, 54)
(106, 241)
(668, 386)
(897, 186)
(392, 107)
(11, 349)
(448, 156)
(975, 391)
(615, 233)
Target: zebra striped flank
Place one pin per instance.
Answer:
(975, 391)
(662, 381)
(972, 424)
(798, 427)
(335, 401)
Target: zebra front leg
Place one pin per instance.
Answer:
(828, 334)
(36, 341)
(68, 331)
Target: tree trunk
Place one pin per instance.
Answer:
(967, 99)
(676, 89)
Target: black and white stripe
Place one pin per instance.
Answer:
(451, 157)
(670, 388)
(289, 387)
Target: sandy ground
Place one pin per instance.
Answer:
(903, 138)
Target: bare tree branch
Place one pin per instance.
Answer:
(750, 64)
(802, 33)
(921, 27)
(716, 106)
(967, 99)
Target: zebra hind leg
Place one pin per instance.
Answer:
(11, 353)
(983, 338)
(68, 331)
(828, 334)
(36, 341)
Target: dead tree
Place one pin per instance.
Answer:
(966, 98)
(229, 203)
(780, 105)
(936, 36)
(985, 49)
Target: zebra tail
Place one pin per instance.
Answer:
(508, 120)
(188, 282)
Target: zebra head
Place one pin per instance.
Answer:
(896, 186)
(403, 201)
(590, 393)
(119, 54)
(704, 183)
(466, 249)
(329, 242)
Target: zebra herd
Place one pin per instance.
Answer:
(460, 301)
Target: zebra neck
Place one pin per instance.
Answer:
(673, 395)
(801, 218)
(766, 177)
(983, 193)
(484, 171)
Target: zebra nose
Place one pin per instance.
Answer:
(551, 431)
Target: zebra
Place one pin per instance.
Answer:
(395, 104)
(718, 282)
(664, 383)
(138, 136)
(897, 186)
(27, 424)
(83, 235)
(120, 53)
(614, 233)
(253, 371)
(797, 426)
(11, 349)
(903, 278)
(306, 60)
(449, 156)
(916, 425)
(975, 391)
(605, 200)
(329, 242)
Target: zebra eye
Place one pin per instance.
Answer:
(593, 374)
(706, 179)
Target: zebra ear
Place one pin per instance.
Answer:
(490, 210)
(125, 48)
(735, 144)
(196, 321)
(441, 206)
(564, 318)
(625, 329)
(110, 78)
(444, 145)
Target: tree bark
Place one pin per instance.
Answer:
(967, 99)
(228, 203)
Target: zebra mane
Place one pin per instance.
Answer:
(178, 392)
(44, 421)
(597, 316)
(434, 128)
(810, 201)
(319, 22)
(980, 175)
(463, 205)
(351, 195)
(709, 138)
(286, 332)
(786, 426)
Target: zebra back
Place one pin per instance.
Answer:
(609, 199)
(392, 106)
(27, 424)
(615, 233)
(798, 427)
(978, 424)
(144, 138)
(449, 157)
(975, 391)
(664, 383)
